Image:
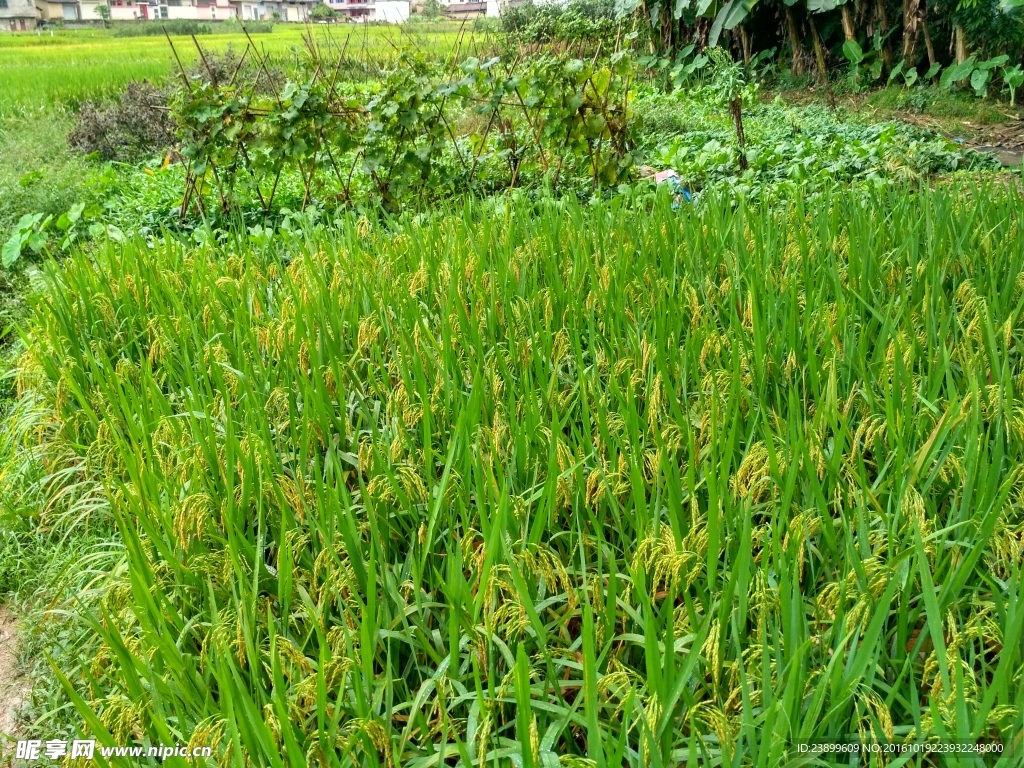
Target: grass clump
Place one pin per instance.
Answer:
(938, 103)
(55, 540)
(554, 482)
(37, 173)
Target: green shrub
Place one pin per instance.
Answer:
(590, 21)
(169, 26)
(185, 27)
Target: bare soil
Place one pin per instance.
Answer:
(1004, 140)
(13, 684)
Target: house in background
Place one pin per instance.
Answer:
(204, 10)
(474, 9)
(252, 10)
(58, 10)
(465, 10)
(197, 10)
(272, 10)
(124, 10)
(17, 15)
(87, 9)
(391, 11)
(354, 10)
(289, 10)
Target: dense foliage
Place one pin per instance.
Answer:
(532, 484)
(422, 132)
(135, 127)
(392, 414)
(186, 27)
(585, 23)
(898, 37)
(259, 141)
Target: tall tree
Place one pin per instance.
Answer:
(882, 19)
(849, 31)
(913, 15)
(795, 46)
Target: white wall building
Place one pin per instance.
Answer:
(391, 11)
(143, 10)
(16, 15)
(53, 10)
(471, 9)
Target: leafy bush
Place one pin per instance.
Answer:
(139, 124)
(135, 127)
(557, 121)
(186, 27)
(322, 12)
(992, 26)
(160, 28)
(592, 21)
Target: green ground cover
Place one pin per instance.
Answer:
(789, 146)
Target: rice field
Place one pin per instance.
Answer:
(551, 485)
(69, 67)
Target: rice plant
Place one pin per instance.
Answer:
(556, 485)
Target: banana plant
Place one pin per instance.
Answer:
(679, 70)
(980, 73)
(1013, 78)
(727, 14)
(867, 65)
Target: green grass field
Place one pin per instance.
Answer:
(39, 71)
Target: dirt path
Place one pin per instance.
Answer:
(1004, 140)
(13, 687)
